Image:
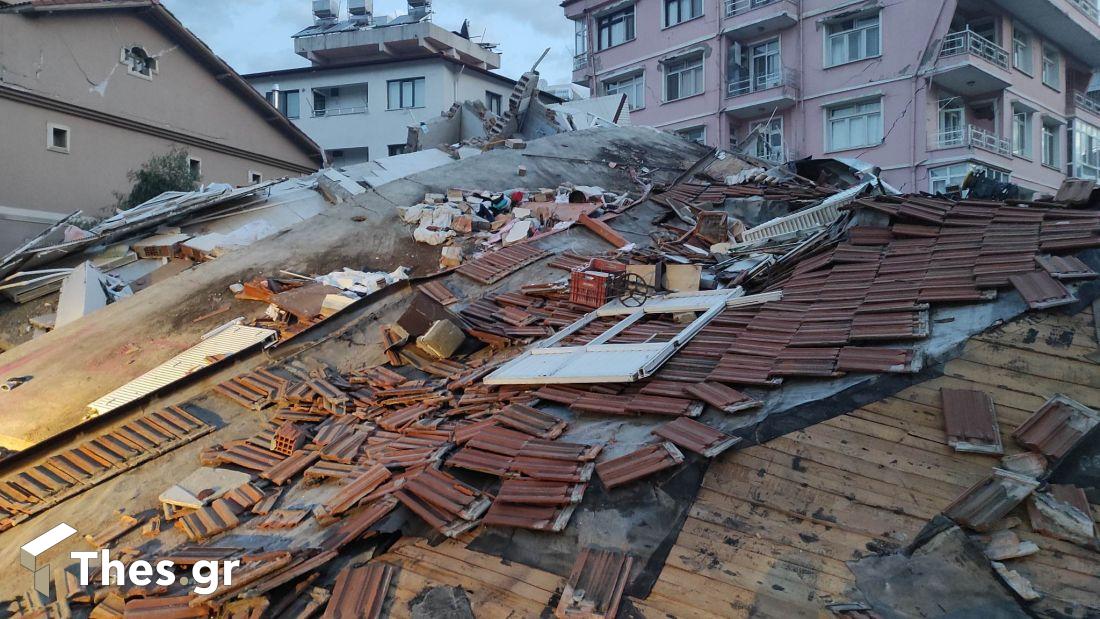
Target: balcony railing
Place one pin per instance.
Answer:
(786, 77)
(340, 111)
(973, 137)
(1088, 7)
(970, 42)
(580, 61)
(736, 7)
(1083, 101)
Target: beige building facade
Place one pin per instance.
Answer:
(91, 90)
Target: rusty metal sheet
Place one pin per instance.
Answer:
(970, 419)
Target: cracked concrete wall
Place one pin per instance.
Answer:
(76, 59)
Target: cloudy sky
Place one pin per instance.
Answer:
(254, 35)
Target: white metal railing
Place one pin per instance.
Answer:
(1088, 7)
(975, 137)
(970, 42)
(340, 111)
(785, 77)
(580, 61)
(736, 7)
(1082, 100)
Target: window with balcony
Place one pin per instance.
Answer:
(1021, 133)
(580, 37)
(853, 126)
(633, 87)
(951, 177)
(1086, 150)
(683, 77)
(695, 134)
(615, 28)
(952, 122)
(755, 67)
(1052, 67)
(769, 140)
(853, 39)
(494, 102)
(405, 94)
(1022, 51)
(340, 100)
(1051, 141)
(680, 11)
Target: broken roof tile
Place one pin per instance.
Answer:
(646, 461)
(695, 436)
(1057, 426)
(595, 584)
(971, 421)
(1041, 291)
(726, 399)
(360, 591)
(989, 500)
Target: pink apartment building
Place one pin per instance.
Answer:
(925, 89)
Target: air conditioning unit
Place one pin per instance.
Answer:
(358, 8)
(326, 9)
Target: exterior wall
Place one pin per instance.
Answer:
(378, 127)
(85, 178)
(907, 77)
(75, 59)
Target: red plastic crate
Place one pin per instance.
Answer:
(589, 288)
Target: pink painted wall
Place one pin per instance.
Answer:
(911, 32)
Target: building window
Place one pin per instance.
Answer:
(286, 101)
(1021, 50)
(493, 101)
(1050, 145)
(1086, 150)
(57, 138)
(320, 103)
(695, 134)
(1052, 67)
(194, 164)
(138, 61)
(580, 36)
(615, 28)
(853, 126)
(405, 94)
(852, 39)
(943, 178)
(679, 11)
(952, 122)
(395, 149)
(683, 77)
(769, 140)
(255, 177)
(1021, 133)
(633, 87)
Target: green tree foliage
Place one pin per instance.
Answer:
(167, 172)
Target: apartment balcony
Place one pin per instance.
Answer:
(753, 97)
(339, 111)
(753, 18)
(1080, 105)
(970, 64)
(971, 138)
(580, 61)
(1074, 24)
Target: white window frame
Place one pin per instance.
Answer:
(497, 98)
(948, 175)
(1023, 50)
(153, 64)
(1022, 128)
(948, 106)
(197, 165)
(680, 4)
(768, 128)
(685, 131)
(629, 18)
(401, 93)
(1050, 145)
(255, 178)
(683, 65)
(50, 146)
(580, 36)
(876, 129)
(861, 27)
(625, 84)
(1086, 143)
(1052, 67)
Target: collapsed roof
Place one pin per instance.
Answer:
(802, 349)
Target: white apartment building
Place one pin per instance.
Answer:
(372, 77)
